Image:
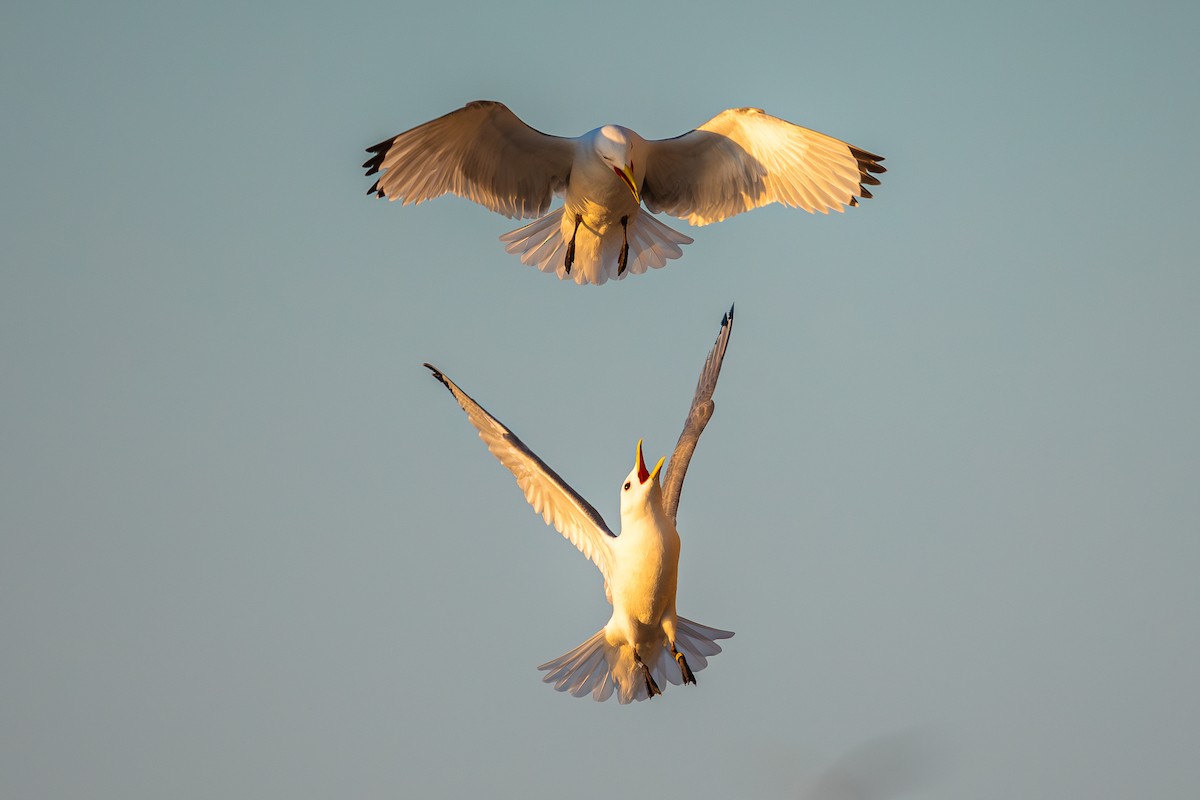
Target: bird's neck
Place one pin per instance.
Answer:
(649, 517)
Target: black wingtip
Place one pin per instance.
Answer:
(727, 319)
(437, 373)
(868, 168)
(378, 151)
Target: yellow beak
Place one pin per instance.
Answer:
(643, 474)
(626, 174)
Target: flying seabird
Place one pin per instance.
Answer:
(743, 158)
(645, 643)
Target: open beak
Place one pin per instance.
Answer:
(644, 474)
(626, 175)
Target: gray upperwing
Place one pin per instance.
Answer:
(550, 496)
(698, 416)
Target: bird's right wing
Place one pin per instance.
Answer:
(482, 152)
(698, 416)
(744, 158)
(559, 504)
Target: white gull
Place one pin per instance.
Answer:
(740, 159)
(645, 643)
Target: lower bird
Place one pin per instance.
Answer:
(743, 158)
(645, 643)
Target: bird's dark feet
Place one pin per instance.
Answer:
(684, 669)
(623, 259)
(570, 258)
(651, 687)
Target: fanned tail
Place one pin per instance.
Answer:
(543, 244)
(697, 642)
(602, 669)
(540, 243)
(584, 669)
(653, 243)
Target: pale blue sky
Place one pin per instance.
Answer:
(948, 501)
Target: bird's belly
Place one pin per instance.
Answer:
(643, 593)
(602, 211)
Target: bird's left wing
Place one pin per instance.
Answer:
(559, 504)
(744, 158)
(698, 416)
(482, 152)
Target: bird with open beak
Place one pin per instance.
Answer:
(645, 643)
(644, 578)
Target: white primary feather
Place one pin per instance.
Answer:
(744, 158)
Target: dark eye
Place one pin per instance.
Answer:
(627, 486)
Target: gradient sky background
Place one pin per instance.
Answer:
(948, 502)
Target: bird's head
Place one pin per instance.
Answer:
(641, 487)
(614, 145)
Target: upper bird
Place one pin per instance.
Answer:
(740, 159)
(645, 641)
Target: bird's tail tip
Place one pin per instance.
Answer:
(602, 669)
(546, 242)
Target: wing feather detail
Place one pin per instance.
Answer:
(744, 158)
(482, 152)
(558, 504)
(697, 418)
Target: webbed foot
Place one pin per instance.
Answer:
(684, 669)
(570, 257)
(651, 687)
(623, 259)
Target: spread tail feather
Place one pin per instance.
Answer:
(543, 244)
(654, 243)
(540, 243)
(602, 669)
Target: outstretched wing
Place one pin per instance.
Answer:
(744, 158)
(559, 504)
(698, 416)
(482, 152)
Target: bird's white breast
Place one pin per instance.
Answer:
(646, 570)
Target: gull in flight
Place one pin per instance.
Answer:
(645, 643)
(740, 159)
